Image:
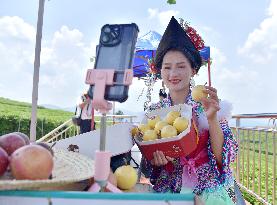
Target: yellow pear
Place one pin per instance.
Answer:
(197, 93)
(159, 125)
(143, 127)
(181, 123)
(126, 177)
(152, 122)
(134, 131)
(168, 131)
(149, 135)
(171, 116)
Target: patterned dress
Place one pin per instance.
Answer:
(198, 172)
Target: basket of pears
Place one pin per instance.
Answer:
(170, 130)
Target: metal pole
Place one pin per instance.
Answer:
(113, 112)
(36, 71)
(103, 132)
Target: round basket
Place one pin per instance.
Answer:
(69, 168)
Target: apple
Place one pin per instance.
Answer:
(171, 116)
(168, 131)
(31, 162)
(181, 123)
(152, 121)
(126, 177)
(46, 146)
(197, 93)
(143, 127)
(24, 137)
(4, 161)
(150, 135)
(11, 142)
(159, 126)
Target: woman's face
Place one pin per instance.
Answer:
(176, 71)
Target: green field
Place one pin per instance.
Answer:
(16, 116)
(23, 110)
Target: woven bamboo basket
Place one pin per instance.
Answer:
(72, 171)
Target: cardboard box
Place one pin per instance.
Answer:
(181, 145)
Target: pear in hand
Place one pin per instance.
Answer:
(181, 123)
(197, 93)
(171, 116)
(168, 131)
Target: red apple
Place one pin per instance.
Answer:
(31, 162)
(24, 137)
(11, 142)
(4, 161)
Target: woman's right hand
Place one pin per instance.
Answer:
(160, 159)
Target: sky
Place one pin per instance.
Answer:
(241, 34)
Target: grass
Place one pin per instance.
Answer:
(23, 110)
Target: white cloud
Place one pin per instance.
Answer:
(16, 47)
(64, 60)
(244, 86)
(152, 12)
(162, 16)
(261, 44)
(15, 27)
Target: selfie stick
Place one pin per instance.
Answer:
(101, 78)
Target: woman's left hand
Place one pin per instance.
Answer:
(210, 104)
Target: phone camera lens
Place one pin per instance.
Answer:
(105, 38)
(107, 29)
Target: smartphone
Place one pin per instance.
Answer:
(116, 50)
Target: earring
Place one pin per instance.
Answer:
(192, 82)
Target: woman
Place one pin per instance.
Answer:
(206, 170)
(86, 112)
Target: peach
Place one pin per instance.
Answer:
(46, 146)
(24, 137)
(4, 161)
(31, 162)
(11, 142)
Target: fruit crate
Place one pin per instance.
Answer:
(88, 198)
(181, 145)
